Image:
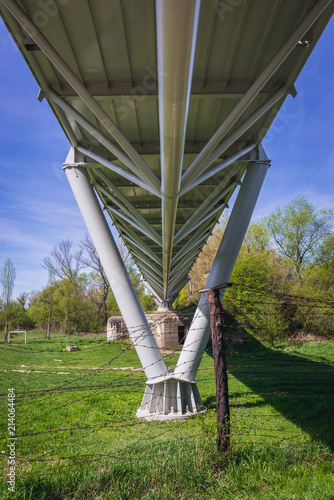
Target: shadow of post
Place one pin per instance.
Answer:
(299, 388)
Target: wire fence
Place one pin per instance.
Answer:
(296, 392)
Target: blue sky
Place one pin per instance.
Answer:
(38, 210)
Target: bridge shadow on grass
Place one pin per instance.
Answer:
(299, 388)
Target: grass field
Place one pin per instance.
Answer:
(77, 435)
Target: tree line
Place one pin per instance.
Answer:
(283, 280)
(76, 298)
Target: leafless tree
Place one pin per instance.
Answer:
(63, 262)
(125, 254)
(90, 258)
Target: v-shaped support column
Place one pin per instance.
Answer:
(169, 395)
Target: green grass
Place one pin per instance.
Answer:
(78, 436)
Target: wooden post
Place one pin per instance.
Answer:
(220, 366)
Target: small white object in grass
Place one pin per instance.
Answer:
(71, 348)
(58, 360)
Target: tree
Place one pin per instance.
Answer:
(22, 300)
(19, 317)
(51, 290)
(299, 230)
(63, 262)
(39, 308)
(148, 304)
(257, 238)
(93, 260)
(99, 290)
(31, 297)
(66, 266)
(255, 299)
(315, 313)
(7, 279)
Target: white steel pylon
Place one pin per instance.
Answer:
(168, 395)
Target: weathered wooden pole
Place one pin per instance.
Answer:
(220, 366)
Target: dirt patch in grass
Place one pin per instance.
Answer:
(97, 334)
(302, 338)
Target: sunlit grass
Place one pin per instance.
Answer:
(78, 436)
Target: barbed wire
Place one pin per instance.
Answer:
(262, 291)
(104, 366)
(127, 419)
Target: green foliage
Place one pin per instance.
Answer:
(19, 317)
(75, 304)
(112, 306)
(257, 238)
(253, 300)
(300, 231)
(284, 275)
(315, 312)
(182, 299)
(38, 311)
(148, 303)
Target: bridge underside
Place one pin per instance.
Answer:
(165, 105)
